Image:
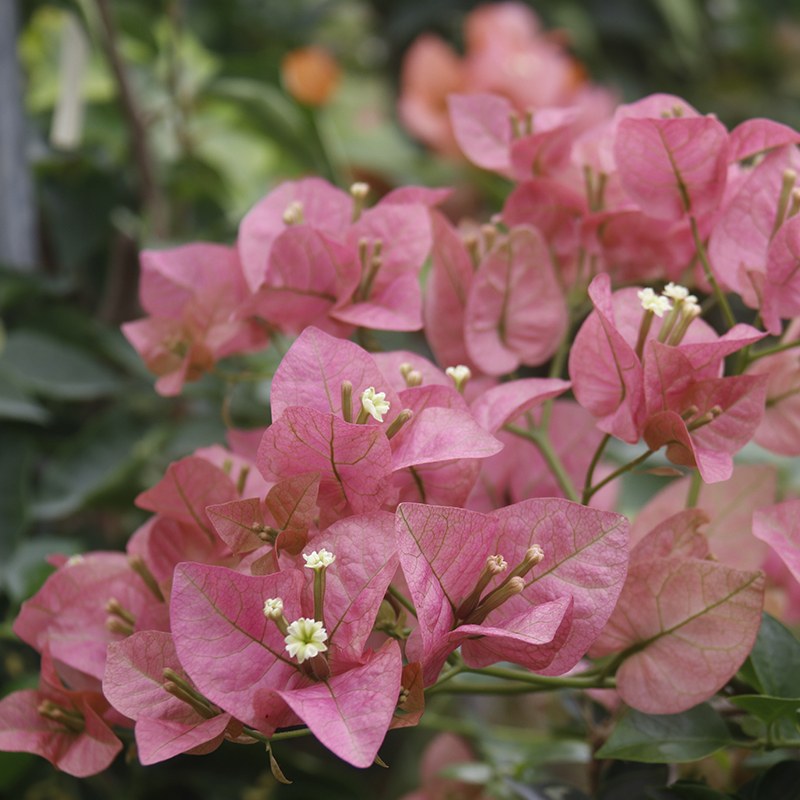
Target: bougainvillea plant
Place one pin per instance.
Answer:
(405, 525)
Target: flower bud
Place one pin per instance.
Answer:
(460, 376)
(495, 599)
(293, 215)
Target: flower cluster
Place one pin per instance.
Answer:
(403, 521)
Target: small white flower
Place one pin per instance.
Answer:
(459, 374)
(306, 639)
(675, 292)
(273, 608)
(359, 190)
(652, 302)
(374, 403)
(293, 215)
(317, 560)
(73, 560)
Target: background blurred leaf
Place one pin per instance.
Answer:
(100, 457)
(54, 369)
(665, 738)
(774, 659)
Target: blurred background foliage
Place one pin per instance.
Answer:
(155, 122)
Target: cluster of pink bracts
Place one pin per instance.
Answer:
(321, 572)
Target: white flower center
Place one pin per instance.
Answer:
(306, 639)
(652, 302)
(675, 292)
(374, 403)
(317, 560)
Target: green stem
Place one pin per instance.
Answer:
(694, 490)
(446, 676)
(587, 495)
(262, 737)
(595, 460)
(730, 320)
(545, 447)
(769, 351)
(402, 599)
(545, 681)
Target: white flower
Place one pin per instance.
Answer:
(293, 215)
(459, 374)
(374, 403)
(315, 560)
(306, 639)
(675, 292)
(273, 608)
(73, 560)
(652, 302)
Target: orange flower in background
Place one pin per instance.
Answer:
(310, 75)
(506, 53)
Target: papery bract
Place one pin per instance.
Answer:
(516, 313)
(354, 461)
(779, 527)
(325, 208)
(687, 623)
(585, 557)
(312, 372)
(673, 167)
(482, 127)
(134, 684)
(446, 292)
(189, 486)
(754, 136)
(78, 753)
(729, 506)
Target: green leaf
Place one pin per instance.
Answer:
(16, 460)
(100, 457)
(774, 659)
(778, 783)
(23, 573)
(688, 791)
(54, 369)
(624, 780)
(767, 708)
(474, 772)
(16, 404)
(664, 738)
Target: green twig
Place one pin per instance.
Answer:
(402, 599)
(595, 460)
(545, 447)
(694, 489)
(730, 320)
(547, 682)
(587, 495)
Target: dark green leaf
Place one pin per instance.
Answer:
(767, 708)
(26, 570)
(781, 782)
(687, 791)
(54, 369)
(16, 404)
(547, 790)
(775, 659)
(97, 459)
(664, 738)
(16, 458)
(625, 780)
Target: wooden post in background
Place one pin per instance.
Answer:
(18, 239)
